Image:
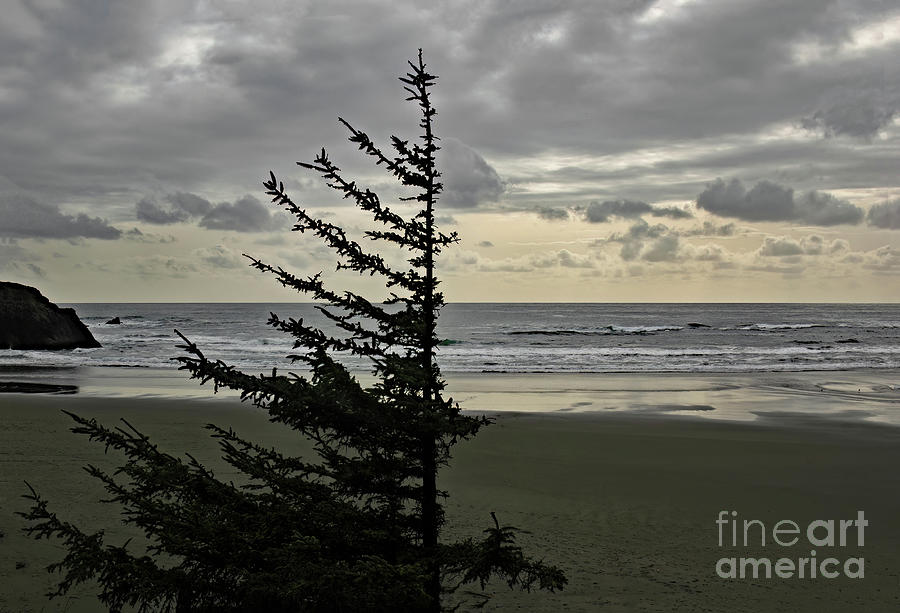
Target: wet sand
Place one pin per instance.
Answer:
(625, 501)
(872, 395)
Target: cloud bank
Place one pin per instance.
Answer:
(768, 201)
(247, 214)
(885, 215)
(602, 212)
(24, 217)
(467, 177)
(855, 112)
(553, 213)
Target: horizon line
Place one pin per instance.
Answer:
(896, 302)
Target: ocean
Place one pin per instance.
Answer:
(518, 338)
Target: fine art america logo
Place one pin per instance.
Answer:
(753, 533)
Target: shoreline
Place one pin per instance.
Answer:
(7, 370)
(870, 395)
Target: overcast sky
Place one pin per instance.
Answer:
(669, 150)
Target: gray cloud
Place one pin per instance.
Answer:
(664, 249)
(25, 270)
(465, 261)
(710, 229)
(485, 244)
(157, 265)
(14, 259)
(24, 217)
(601, 212)
(711, 253)
(768, 201)
(468, 179)
(634, 239)
(553, 213)
(885, 215)
(142, 237)
(765, 202)
(838, 245)
(563, 257)
(821, 209)
(856, 112)
(567, 259)
(147, 209)
(245, 215)
(640, 230)
(191, 204)
(18, 262)
(884, 260)
(219, 256)
(659, 243)
(813, 244)
(181, 207)
(630, 250)
(672, 212)
(780, 247)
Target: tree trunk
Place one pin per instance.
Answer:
(430, 521)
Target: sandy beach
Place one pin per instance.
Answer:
(620, 487)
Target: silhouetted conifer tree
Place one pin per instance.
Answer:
(355, 528)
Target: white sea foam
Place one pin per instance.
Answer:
(519, 338)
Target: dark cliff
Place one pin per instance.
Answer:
(29, 321)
